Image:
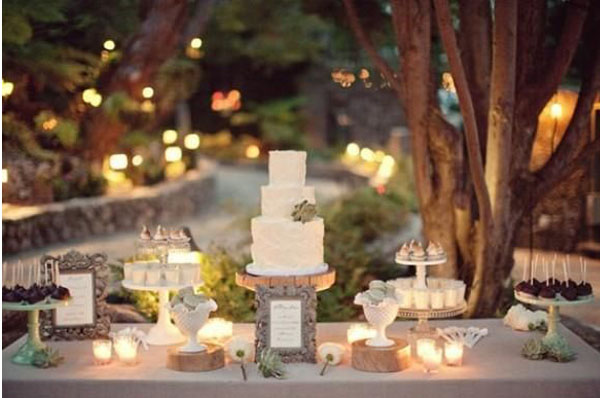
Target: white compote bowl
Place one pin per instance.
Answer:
(190, 322)
(380, 316)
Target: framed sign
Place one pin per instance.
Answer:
(86, 316)
(286, 321)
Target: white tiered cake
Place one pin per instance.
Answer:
(282, 246)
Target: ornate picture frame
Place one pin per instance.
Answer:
(286, 320)
(76, 263)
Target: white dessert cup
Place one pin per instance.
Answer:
(451, 297)
(421, 298)
(437, 299)
(190, 322)
(380, 316)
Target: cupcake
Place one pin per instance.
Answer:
(403, 253)
(418, 253)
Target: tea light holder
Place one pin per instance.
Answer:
(126, 348)
(102, 351)
(453, 352)
(216, 329)
(432, 360)
(359, 331)
(424, 347)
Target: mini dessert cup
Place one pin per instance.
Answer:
(128, 271)
(380, 316)
(461, 290)
(172, 275)
(190, 322)
(153, 277)
(450, 297)
(405, 297)
(434, 283)
(421, 298)
(138, 275)
(437, 299)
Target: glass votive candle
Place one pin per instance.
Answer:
(216, 329)
(102, 351)
(359, 331)
(432, 360)
(454, 353)
(424, 346)
(126, 349)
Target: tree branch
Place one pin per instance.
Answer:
(474, 40)
(563, 163)
(442, 11)
(365, 41)
(577, 11)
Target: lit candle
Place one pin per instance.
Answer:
(424, 347)
(126, 348)
(216, 329)
(102, 351)
(454, 353)
(432, 360)
(359, 331)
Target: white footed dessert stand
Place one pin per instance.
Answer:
(164, 332)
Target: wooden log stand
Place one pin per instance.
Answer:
(210, 359)
(381, 359)
(322, 281)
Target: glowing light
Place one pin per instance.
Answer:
(363, 74)
(252, 152)
(191, 141)
(7, 88)
(173, 154)
(448, 82)
(109, 45)
(137, 160)
(234, 95)
(174, 169)
(4, 176)
(169, 136)
(556, 110)
(216, 329)
(102, 350)
(118, 161)
(379, 155)
(367, 155)
(359, 331)
(352, 149)
(196, 43)
(147, 106)
(388, 160)
(49, 124)
(92, 97)
(222, 102)
(147, 92)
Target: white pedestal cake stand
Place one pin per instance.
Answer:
(421, 268)
(552, 336)
(24, 355)
(164, 332)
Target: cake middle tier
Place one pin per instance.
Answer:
(279, 200)
(286, 245)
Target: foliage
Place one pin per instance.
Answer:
(46, 358)
(270, 364)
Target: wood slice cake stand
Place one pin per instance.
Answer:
(320, 282)
(394, 358)
(213, 357)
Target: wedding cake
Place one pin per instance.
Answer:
(287, 239)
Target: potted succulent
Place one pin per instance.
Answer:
(380, 306)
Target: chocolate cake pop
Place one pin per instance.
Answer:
(584, 289)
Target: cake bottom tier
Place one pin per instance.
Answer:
(281, 246)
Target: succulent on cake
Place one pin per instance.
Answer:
(379, 293)
(270, 364)
(304, 212)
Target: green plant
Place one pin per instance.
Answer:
(46, 358)
(270, 364)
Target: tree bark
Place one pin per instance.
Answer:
(144, 53)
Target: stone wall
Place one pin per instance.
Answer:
(28, 227)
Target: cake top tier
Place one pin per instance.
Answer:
(287, 167)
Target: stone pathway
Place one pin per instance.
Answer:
(238, 198)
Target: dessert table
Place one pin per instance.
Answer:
(494, 368)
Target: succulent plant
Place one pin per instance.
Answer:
(559, 351)
(304, 212)
(534, 349)
(270, 364)
(46, 358)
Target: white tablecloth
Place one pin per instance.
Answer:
(493, 369)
